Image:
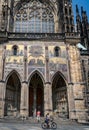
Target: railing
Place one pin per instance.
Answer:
(72, 35)
(35, 36)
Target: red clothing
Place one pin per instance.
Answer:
(38, 113)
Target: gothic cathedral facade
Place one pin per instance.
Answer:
(40, 66)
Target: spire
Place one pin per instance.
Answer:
(85, 25)
(82, 12)
(78, 19)
(77, 10)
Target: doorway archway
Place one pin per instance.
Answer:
(36, 95)
(59, 95)
(12, 95)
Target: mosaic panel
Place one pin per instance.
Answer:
(36, 58)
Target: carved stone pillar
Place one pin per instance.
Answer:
(46, 64)
(70, 94)
(24, 99)
(2, 98)
(3, 62)
(25, 63)
(71, 102)
(48, 98)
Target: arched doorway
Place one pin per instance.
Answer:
(12, 95)
(36, 95)
(59, 95)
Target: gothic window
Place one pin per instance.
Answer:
(67, 29)
(56, 51)
(69, 11)
(66, 11)
(67, 21)
(34, 17)
(71, 29)
(71, 21)
(15, 50)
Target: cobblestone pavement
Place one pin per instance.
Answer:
(26, 126)
(32, 124)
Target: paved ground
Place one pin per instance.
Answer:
(12, 126)
(27, 125)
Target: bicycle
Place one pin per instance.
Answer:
(51, 124)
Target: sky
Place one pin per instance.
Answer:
(84, 3)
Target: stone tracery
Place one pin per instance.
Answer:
(34, 17)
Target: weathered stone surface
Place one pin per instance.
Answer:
(40, 71)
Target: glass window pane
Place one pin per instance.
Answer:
(38, 19)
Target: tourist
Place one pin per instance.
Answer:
(38, 115)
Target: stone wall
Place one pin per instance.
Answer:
(77, 84)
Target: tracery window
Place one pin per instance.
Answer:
(34, 17)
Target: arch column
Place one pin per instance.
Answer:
(71, 102)
(34, 100)
(24, 99)
(48, 98)
(2, 98)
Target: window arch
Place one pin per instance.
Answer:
(56, 51)
(67, 28)
(71, 29)
(70, 11)
(15, 50)
(66, 11)
(71, 21)
(34, 17)
(67, 20)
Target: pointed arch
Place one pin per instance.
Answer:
(12, 94)
(36, 93)
(12, 72)
(59, 73)
(59, 94)
(39, 73)
(48, 2)
(33, 16)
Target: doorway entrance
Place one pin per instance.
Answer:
(36, 95)
(12, 95)
(59, 95)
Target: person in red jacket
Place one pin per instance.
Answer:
(38, 115)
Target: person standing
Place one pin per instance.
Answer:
(38, 116)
